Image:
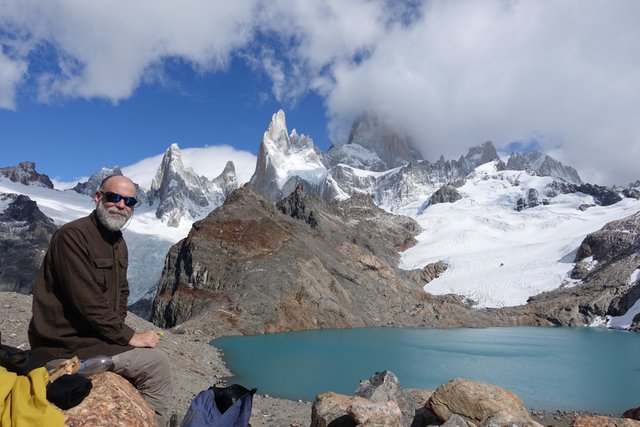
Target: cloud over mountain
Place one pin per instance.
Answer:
(451, 73)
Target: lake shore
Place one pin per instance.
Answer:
(196, 366)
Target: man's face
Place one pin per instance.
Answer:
(111, 202)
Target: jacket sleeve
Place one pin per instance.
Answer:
(76, 279)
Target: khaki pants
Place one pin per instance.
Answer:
(149, 371)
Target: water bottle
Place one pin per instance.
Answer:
(95, 365)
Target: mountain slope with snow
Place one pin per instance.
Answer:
(498, 256)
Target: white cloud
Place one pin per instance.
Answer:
(453, 73)
(104, 48)
(11, 72)
(471, 71)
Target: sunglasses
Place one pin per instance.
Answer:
(115, 198)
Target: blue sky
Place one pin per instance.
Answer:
(76, 137)
(91, 84)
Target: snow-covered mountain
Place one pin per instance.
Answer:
(392, 147)
(286, 159)
(497, 255)
(505, 230)
(361, 165)
(181, 194)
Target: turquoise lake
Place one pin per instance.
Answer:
(585, 369)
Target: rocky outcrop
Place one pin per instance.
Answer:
(480, 404)
(113, 401)
(181, 193)
(25, 173)
(24, 234)
(586, 420)
(445, 194)
(631, 193)
(617, 239)
(381, 401)
(250, 268)
(537, 163)
(603, 196)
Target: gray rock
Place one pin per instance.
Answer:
(25, 173)
(24, 233)
(384, 386)
(537, 163)
(445, 194)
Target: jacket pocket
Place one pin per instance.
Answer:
(104, 272)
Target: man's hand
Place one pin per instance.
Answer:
(144, 339)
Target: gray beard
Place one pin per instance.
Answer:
(112, 218)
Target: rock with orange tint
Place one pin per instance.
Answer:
(113, 401)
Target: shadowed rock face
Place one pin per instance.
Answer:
(251, 267)
(24, 234)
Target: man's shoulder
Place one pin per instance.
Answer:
(81, 223)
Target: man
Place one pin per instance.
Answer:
(80, 298)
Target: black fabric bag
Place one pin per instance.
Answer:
(19, 361)
(68, 390)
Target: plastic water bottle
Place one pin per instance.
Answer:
(95, 365)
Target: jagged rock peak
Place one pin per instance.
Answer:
(227, 181)
(284, 160)
(90, 186)
(179, 190)
(481, 154)
(537, 163)
(392, 146)
(277, 131)
(25, 173)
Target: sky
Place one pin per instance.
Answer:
(85, 85)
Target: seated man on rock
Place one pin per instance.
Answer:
(80, 298)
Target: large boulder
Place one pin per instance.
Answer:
(479, 403)
(385, 387)
(337, 410)
(113, 401)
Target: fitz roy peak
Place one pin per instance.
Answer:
(363, 165)
(286, 159)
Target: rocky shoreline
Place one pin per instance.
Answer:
(196, 365)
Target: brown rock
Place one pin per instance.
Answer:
(602, 421)
(479, 403)
(331, 409)
(634, 413)
(113, 401)
(376, 414)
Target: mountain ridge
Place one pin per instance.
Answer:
(417, 189)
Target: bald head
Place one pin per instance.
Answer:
(115, 199)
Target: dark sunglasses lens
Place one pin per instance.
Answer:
(115, 198)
